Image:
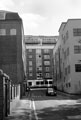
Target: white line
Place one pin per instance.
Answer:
(30, 111)
(36, 117)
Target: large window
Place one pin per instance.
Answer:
(67, 35)
(67, 51)
(46, 50)
(12, 31)
(77, 67)
(48, 75)
(37, 83)
(68, 69)
(30, 83)
(2, 16)
(46, 56)
(77, 49)
(30, 74)
(46, 62)
(65, 54)
(40, 68)
(47, 69)
(30, 63)
(30, 56)
(77, 32)
(65, 71)
(2, 32)
(30, 50)
(30, 69)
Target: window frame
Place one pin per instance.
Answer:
(76, 31)
(77, 49)
(77, 67)
(13, 31)
(2, 32)
(47, 63)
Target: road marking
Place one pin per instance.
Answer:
(36, 117)
(30, 111)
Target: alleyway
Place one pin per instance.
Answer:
(39, 106)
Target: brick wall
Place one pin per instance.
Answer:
(11, 51)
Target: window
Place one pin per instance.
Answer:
(46, 56)
(50, 82)
(62, 36)
(60, 60)
(2, 16)
(37, 83)
(42, 82)
(77, 49)
(65, 55)
(77, 67)
(64, 40)
(30, 50)
(46, 82)
(39, 63)
(46, 50)
(40, 68)
(47, 75)
(68, 69)
(40, 56)
(65, 71)
(30, 63)
(30, 68)
(12, 31)
(46, 62)
(30, 83)
(69, 84)
(62, 51)
(66, 84)
(77, 32)
(30, 56)
(2, 32)
(67, 51)
(47, 69)
(38, 51)
(30, 74)
(66, 35)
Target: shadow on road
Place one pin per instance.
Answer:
(41, 95)
(61, 112)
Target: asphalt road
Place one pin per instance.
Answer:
(58, 107)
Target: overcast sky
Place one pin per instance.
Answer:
(43, 17)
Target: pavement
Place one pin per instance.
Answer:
(20, 109)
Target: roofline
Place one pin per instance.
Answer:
(61, 25)
(68, 21)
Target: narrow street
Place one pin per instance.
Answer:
(38, 106)
(58, 107)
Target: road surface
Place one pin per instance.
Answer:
(58, 107)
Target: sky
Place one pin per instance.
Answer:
(43, 17)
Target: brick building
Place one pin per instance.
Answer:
(11, 47)
(12, 51)
(39, 54)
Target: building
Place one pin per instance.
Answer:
(39, 54)
(12, 48)
(67, 57)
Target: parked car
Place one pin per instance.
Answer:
(51, 91)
